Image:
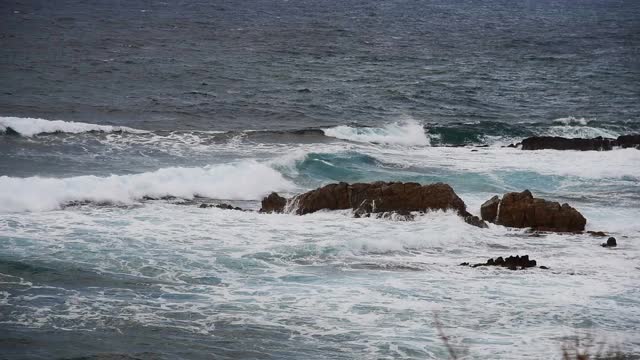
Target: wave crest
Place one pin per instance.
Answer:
(33, 126)
(247, 180)
(408, 132)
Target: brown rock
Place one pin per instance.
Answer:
(475, 221)
(273, 203)
(380, 197)
(522, 210)
(489, 210)
(383, 197)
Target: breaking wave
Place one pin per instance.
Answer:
(247, 180)
(409, 133)
(33, 126)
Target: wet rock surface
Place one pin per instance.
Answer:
(522, 210)
(512, 262)
(364, 199)
(222, 206)
(273, 203)
(597, 143)
(611, 242)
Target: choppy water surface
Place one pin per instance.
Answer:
(225, 102)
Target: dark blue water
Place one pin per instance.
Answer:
(289, 64)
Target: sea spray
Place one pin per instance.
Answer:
(407, 132)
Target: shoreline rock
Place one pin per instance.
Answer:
(611, 242)
(595, 144)
(222, 206)
(273, 203)
(522, 210)
(512, 262)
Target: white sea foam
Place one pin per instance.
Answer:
(623, 163)
(407, 132)
(587, 132)
(570, 120)
(327, 276)
(33, 126)
(247, 180)
(573, 127)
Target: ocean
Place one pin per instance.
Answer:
(118, 119)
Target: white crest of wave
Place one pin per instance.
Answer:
(33, 126)
(407, 132)
(573, 127)
(570, 120)
(247, 180)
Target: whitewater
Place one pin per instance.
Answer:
(113, 241)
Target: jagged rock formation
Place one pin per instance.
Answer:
(522, 210)
(377, 197)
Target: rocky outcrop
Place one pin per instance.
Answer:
(222, 206)
(489, 210)
(627, 141)
(561, 143)
(378, 197)
(611, 242)
(522, 210)
(273, 203)
(512, 262)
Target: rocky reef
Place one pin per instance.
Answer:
(597, 143)
(512, 262)
(374, 198)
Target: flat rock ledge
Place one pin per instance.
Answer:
(384, 199)
(512, 263)
(598, 143)
(522, 210)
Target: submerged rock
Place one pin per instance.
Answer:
(273, 203)
(222, 206)
(512, 262)
(611, 242)
(597, 233)
(522, 210)
(598, 143)
(475, 221)
(373, 198)
(9, 131)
